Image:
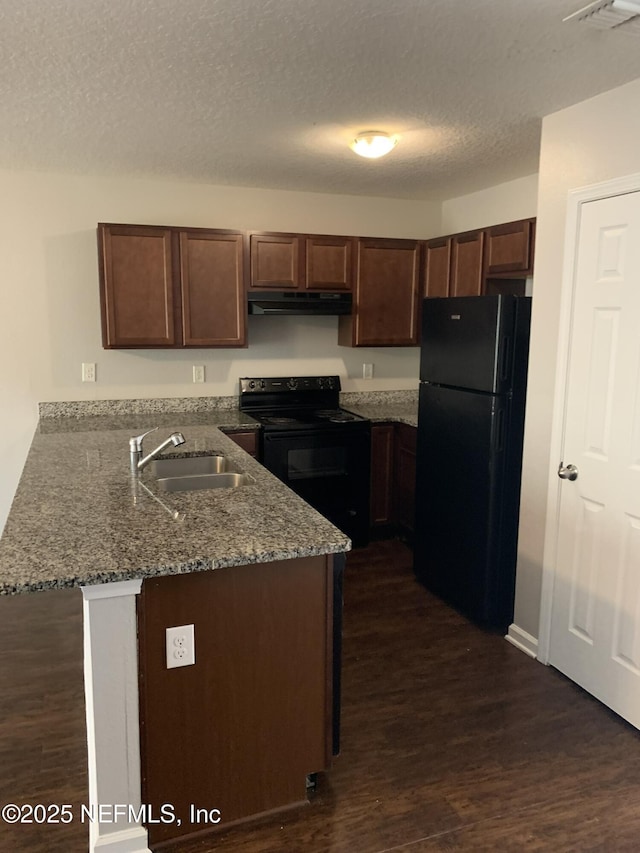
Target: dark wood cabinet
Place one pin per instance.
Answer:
(385, 309)
(301, 262)
(170, 287)
(381, 474)
(276, 261)
(406, 438)
(509, 248)
(437, 266)
(490, 260)
(467, 264)
(212, 289)
(138, 296)
(328, 262)
(393, 477)
(247, 439)
(242, 728)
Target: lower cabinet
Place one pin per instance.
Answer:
(247, 439)
(393, 478)
(381, 474)
(404, 481)
(241, 729)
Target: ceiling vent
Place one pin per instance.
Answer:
(622, 15)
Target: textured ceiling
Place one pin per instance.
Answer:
(268, 93)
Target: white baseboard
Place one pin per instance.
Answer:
(522, 640)
(133, 840)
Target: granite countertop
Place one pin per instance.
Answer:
(76, 519)
(383, 406)
(404, 413)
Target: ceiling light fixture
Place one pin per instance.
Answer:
(373, 143)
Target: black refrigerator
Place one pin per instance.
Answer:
(473, 375)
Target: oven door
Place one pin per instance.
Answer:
(329, 469)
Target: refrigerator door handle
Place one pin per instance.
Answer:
(505, 361)
(567, 472)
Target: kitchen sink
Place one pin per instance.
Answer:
(188, 466)
(191, 473)
(228, 480)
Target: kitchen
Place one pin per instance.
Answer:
(50, 260)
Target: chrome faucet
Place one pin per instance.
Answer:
(138, 462)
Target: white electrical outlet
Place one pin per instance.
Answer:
(198, 373)
(367, 371)
(180, 646)
(88, 372)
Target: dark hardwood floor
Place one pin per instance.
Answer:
(451, 739)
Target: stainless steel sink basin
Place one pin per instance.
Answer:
(228, 480)
(188, 466)
(189, 473)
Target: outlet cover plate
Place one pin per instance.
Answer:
(180, 646)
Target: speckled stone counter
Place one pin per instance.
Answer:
(384, 406)
(78, 518)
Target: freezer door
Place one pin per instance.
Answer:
(467, 342)
(464, 540)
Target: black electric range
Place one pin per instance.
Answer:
(317, 448)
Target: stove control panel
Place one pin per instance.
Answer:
(289, 384)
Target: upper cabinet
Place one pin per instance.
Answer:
(301, 262)
(170, 287)
(509, 248)
(489, 260)
(437, 266)
(164, 286)
(385, 304)
(466, 264)
(276, 261)
(329, 262)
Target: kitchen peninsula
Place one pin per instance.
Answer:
(239, 730)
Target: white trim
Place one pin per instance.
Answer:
(111, 590)
(522, 640)
(111, 697)
(127, 841)
(576, 198)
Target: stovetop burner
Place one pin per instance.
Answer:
(338, 416)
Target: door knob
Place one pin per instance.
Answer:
(568, 472)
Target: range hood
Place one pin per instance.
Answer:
(293, 303)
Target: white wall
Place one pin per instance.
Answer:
(593, 141)
(502, 203)
(49, 313)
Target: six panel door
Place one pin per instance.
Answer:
(595, 623)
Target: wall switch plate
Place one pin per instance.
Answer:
(88, 372)
(180, 646)
(367, 371)
(198, 373)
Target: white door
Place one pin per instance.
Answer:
(595, 619)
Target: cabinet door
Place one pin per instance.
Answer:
(437, 266)
(385, 309)
(246, 439)
(405, 475)
(276, 261)
(467, 257)
(212, 286)
(381, 473)
(329, 263)
(508, 247)
(137, 287)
